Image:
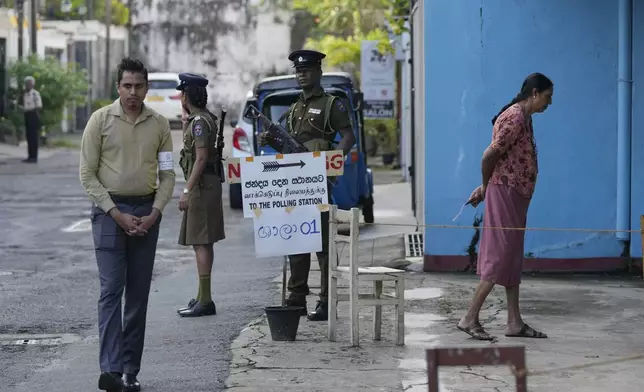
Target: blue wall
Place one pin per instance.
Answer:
(477, 55)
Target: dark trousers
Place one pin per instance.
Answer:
(301, 265)
(125, 263)
(32, 130)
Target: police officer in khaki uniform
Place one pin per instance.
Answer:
(203, 218)
(314, 120)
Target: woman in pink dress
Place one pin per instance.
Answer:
(509, 171)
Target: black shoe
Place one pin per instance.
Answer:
(30, 160)
(321, 312)
(191, 303)
(131, 384)
(297, 302)
(199, 310)
(110, 382)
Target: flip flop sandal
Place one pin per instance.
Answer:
(528, 332)
(477, 332)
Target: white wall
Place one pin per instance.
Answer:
(240, 55)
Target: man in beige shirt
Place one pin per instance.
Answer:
(125, 148)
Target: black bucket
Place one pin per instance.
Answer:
(283, 322)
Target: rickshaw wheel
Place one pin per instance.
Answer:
(367, 210)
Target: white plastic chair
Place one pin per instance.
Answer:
(355, 275)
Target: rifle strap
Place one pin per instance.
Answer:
(327, 113)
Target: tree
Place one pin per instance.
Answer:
(59, 86)
(120, 12)
(341, 26)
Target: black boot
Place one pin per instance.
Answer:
(131, 384)
(321, 312)
(191, 303)
(199, 310)
(110, 382)
(297, 301)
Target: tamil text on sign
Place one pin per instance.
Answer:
(283, 181)
(280, 232)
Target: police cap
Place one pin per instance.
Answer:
(190, 79)
(306, 58)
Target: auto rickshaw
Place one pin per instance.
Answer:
(273, 96)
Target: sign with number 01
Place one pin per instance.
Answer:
(280, 233)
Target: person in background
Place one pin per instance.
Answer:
(31, 105)
(509, 171)
(125, 149)
(203, 216)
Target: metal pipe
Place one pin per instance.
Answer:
(20, 4)
(33, 26)
(624, 116)
(412, 112)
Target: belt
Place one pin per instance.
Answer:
(136, 200)
(209, 169)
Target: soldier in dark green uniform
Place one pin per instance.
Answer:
(203, 220)
(314, 120)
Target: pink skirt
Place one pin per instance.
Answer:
(500, 258)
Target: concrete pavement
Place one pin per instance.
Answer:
(48, 284)
(588, 319)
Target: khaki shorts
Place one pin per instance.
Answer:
(203, 222)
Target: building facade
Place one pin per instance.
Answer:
(590, 141)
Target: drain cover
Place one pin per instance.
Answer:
(414, 245)
(37, 340)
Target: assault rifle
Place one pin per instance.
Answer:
(219, 147)
(279, 138)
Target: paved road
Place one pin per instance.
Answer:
(48, 285)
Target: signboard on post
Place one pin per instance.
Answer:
(287, 231)
(334, 166)
(283, 181)
(378, 81)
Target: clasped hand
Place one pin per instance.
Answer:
(134, 225)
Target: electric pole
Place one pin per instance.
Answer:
(20, 4)
(108, 25)
(33, 28)
(130, 41)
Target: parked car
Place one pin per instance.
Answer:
(164, 97)
(242, 147)
(273, 96)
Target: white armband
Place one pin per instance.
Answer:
(166, 161)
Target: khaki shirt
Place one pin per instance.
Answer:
(122, 157)
(306, 119)
(201, 132)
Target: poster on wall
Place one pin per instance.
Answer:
(378, 81)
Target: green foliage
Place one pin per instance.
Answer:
(340, 27)
(120, 12)
(99, 103)
(59, 86)
(385, 132)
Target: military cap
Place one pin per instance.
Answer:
(306, 58)
(190, 79)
